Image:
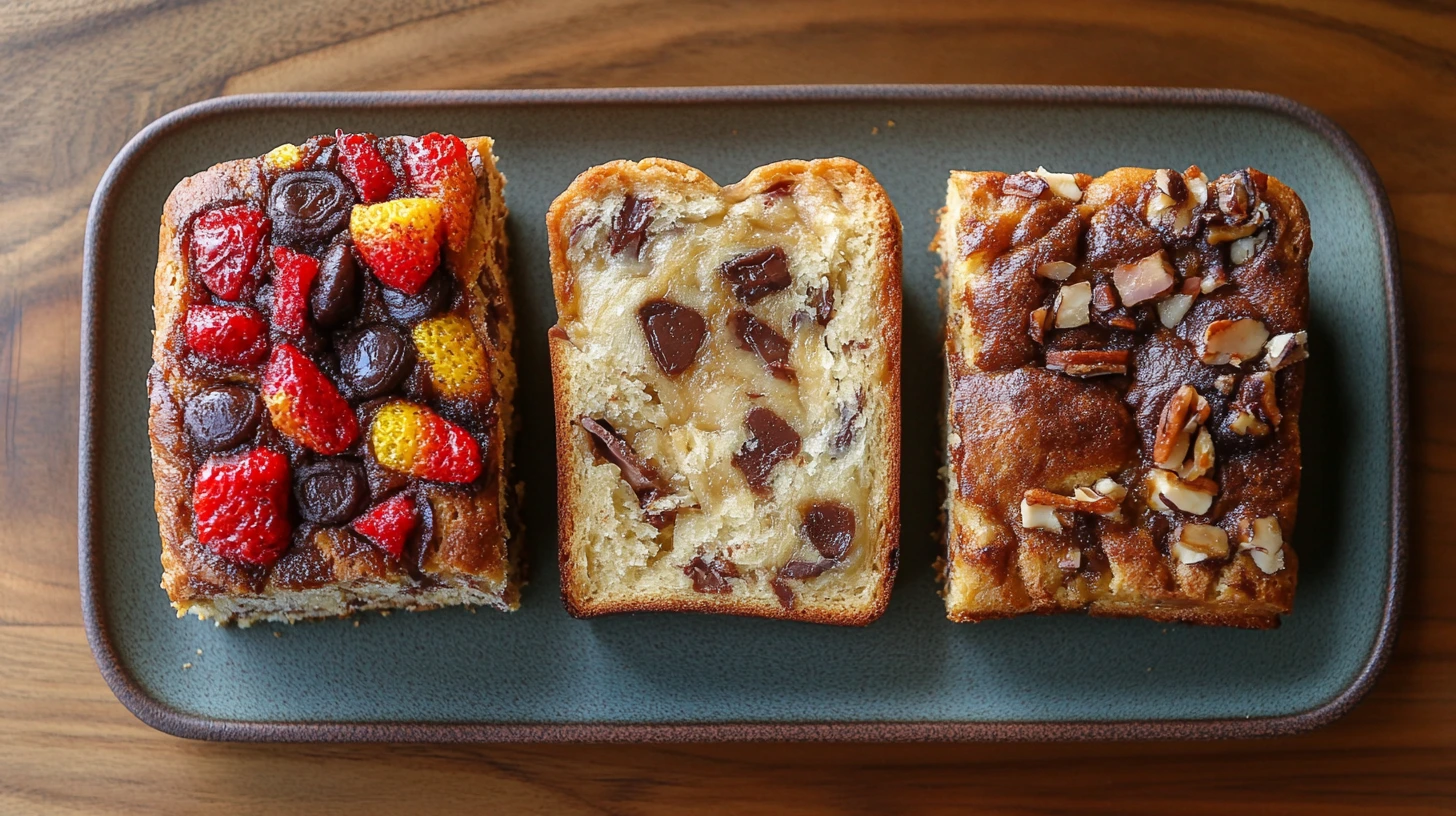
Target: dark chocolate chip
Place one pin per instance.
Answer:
(821, 300)
(800, 570)
(829, 526)
(848, 414)
(375, 360)
(629, 227)
(674, 334)
(784, 592)
(711, 577)
(770, 440)
(432, 298)
(331, 491)
(758, 274)
(223, 417)
(760, 338)
(639, 475)
(309, 207)
(335, 295)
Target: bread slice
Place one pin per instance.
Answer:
(1123, 358)
(727, 373)
(464, 545)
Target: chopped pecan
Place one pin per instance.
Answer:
(1084, 501)
(1087, 362)
(1024, 185)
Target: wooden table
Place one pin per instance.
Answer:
(78, 80)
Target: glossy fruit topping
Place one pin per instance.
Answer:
(222, 417)
(335, 296)
(240, 504)
(229, 335)
(308, 208)
(375, 360)
(399, 240)
(293, 274)
(388, 524)
(455, 356)
(331, 491)
(674, 334)
(432, 299)
(225, 247)
(439, 167)
(287, 156)
(365, 167)
(305, 405)
(409, 438)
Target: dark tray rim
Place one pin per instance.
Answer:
(178, 723)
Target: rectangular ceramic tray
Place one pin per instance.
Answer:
(540, 675)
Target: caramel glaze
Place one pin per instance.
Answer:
(460, 526)
(1023, 426)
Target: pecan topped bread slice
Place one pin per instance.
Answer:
(1124, 361)
(727, 375)
(332, 382)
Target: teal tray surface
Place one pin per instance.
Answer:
(538, 674)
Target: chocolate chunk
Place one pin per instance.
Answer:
(674, 334)
(776, 191)
(758, 274)
(821, 300)
(829, 526)
(639, 475)
(800, 570)
(374, 361)
(335, 295)
(331, 491)
(309, 207)
(760, 338)
(848, 415)
(629, 227)
(434, 297)
(770, 440)
(222, 417)
(711, 577)
(784, 592)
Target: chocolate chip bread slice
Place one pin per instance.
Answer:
(727, 375)
(1124, 360)
(331, 394)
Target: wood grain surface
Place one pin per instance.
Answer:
(77, 79)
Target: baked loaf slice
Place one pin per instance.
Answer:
(332, 382)
(1124, 367)
(727, 375)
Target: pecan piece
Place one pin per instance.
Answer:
(1087, 362)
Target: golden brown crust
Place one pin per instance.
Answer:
(1014, 425)
(473, 549)
(571, 445)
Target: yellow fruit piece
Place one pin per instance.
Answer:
(285, 156)
(397, 434)
(456, 356)
(376, 221)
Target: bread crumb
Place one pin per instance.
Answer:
(875, 131)
(278, 634)
(186, 666)
(890, 123)
(356, 623)
(384, 613)
(199, 652)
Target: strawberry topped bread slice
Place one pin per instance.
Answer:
(1125, 359)
(331, 391)
(727, 375)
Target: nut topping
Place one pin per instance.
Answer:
(1024, 185)
(1037, 324)
(1071, 304)
(1087, 362)
(1039, 517)
(1143, 280)
(1200, 542)
(1263, 540)
(1181, 417)
(1172, 203)
(1258, 399)
(1242, 250)
(1172, 310)
(1285, 349)
(674, 334)
(1233, 342)
(1197, 184)
(1056, 270)
(1063, 184)
(1168, 493)
(1083, 500)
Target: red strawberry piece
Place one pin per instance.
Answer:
(410, 438)
(225, 246)
(230, 335)
(388, 524)
(439, 167)
(365, 166)
(399, 240)
(305, 405)
(240, 504)
(293, 274)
